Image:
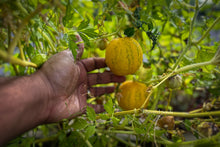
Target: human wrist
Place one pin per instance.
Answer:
(42, 91)
(25, 104)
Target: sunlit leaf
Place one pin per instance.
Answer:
(109, 107)
(90, 130)
(84, 38)
(79, 123)
(72, 45)
(84, 24)
(91, 113)
(90, 33)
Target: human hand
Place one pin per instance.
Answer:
(68, 82)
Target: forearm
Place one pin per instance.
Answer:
(5, 80)
(23, 101)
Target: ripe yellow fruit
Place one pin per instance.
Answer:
(131, 95)
(123, 56)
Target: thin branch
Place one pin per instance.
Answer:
(207, 31)
(11, 59)
(86, 140)
(21, 51)
(47, 38)
(182, 69)
(189, 38)
(183, 114)
(42, 140)
(185, 4)
(191, 66)
(20, 29)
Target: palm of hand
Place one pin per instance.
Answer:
(69, 84)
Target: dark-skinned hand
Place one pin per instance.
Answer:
(68, 83)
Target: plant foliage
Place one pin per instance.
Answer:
(179, 36)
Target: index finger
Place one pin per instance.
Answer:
(93, 63)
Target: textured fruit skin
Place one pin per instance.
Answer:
(102, 43)
(174, 82)
(166, 122)
(123, 56)
(131, 95)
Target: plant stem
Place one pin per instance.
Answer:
(19, 5)
(197, 110)
(9, 58)
(188, 67)
(169, 99)
(86, 140)
(47, 38)
(183, 114)
(147, 99)
(21, 51)
(116, 131)
(51, 138)
(182, 69)
(163, 79)
(128, 143)
(189, 38)
(103, 36)
(185, 4)
(156, 98)
(207, 31)
(20, 29)
(210, 141)
(177, 114)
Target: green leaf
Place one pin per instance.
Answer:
(43, 1)
(33, 2)
(109, 107)
(138, 127)
(104, 116)
(84, 38)
(39, 59)
(30, 50)
(186, 61)
(90, 33)
(206, 54)
(79, 124)
(72, 45)
(139, 130)
(84, 24)
(69, 14)
(168, 2)
(90, 130)
(187, 124)
(125, 122)
(115, 121)
(62, 135)
(91, 113)
(129, 31)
